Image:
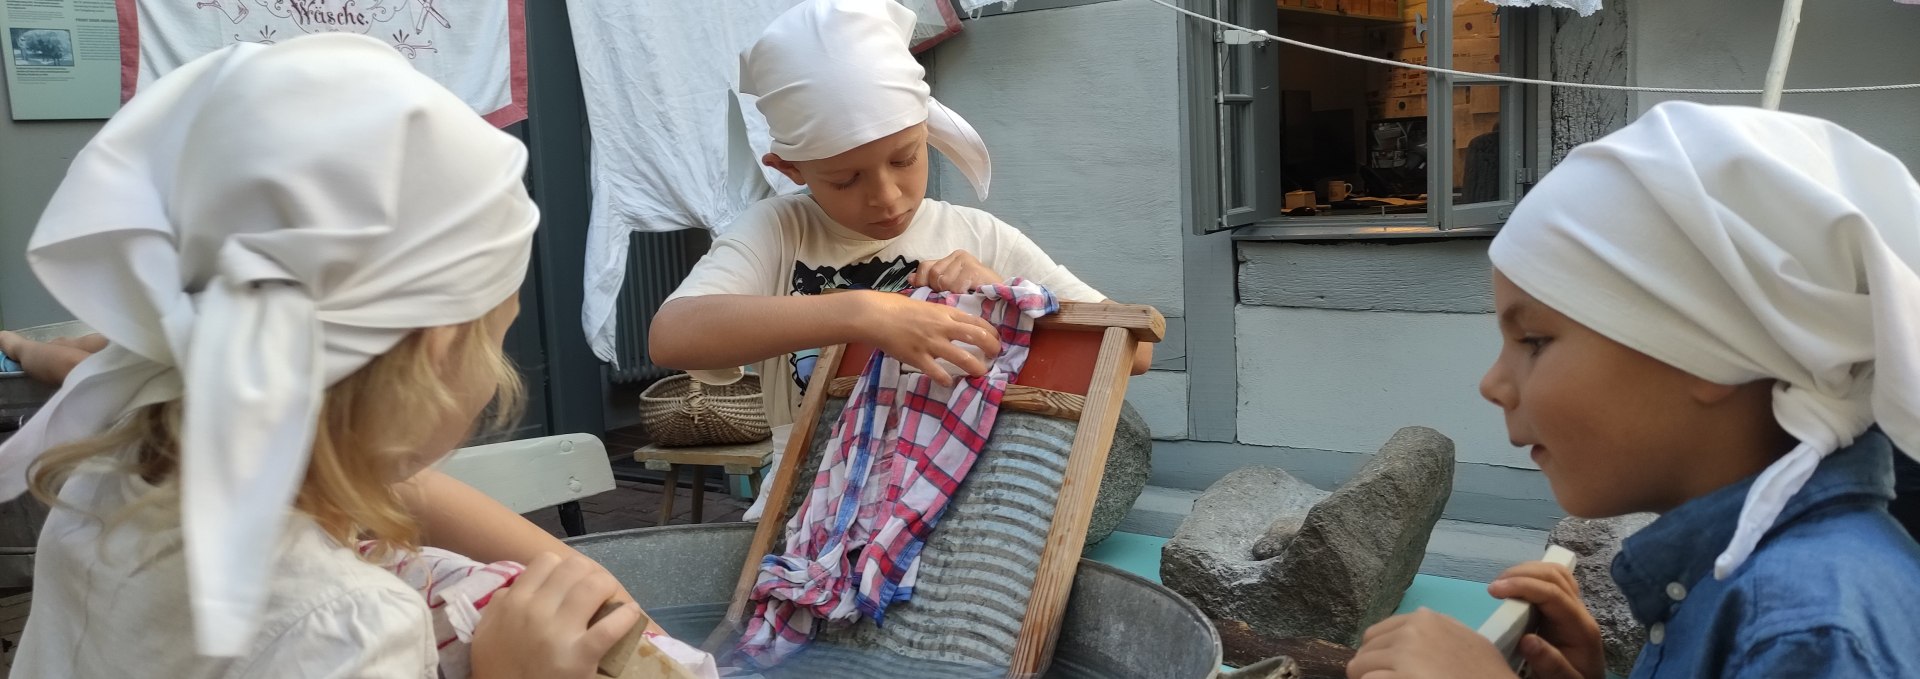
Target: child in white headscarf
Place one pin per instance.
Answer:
(851, 119)
(1712, 314)
(304, 258)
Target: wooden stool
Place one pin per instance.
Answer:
(738, 460)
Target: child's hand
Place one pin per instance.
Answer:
(538, 627)
(1567, 643)
(916, 333)
(49, 362)
(958, 272)
(1426, 645)
(91, 344)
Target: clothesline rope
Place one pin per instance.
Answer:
(1263, 35)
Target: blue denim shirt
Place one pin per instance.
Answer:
(1832, 591)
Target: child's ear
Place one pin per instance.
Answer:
(785, 167)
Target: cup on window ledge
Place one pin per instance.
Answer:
(1298, 199)
(1335, 190)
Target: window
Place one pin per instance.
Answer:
(1309, 144)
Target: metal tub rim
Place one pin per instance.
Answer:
(1186, 609)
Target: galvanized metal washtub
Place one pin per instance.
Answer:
(1118, 625)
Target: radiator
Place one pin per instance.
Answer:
(656, 263)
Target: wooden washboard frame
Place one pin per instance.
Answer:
(1077, 369)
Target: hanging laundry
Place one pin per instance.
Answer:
(1584, 7)
(476, 48)
(974, 6)
(934, 22)
(659, 78)
(898, 453)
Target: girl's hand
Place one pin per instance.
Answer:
(1567, 643)
(959, 272)
(538, 628)
(916, 333)
(1425, 645)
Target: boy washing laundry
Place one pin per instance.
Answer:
(851, 119)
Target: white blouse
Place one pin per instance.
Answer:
(112, 602)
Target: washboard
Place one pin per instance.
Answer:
(993, 581)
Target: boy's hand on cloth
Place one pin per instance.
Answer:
(959, 272)
(1567, 642)
(919, 333)
(1425, 645)
(538, 628)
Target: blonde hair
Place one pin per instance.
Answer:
(368, 434)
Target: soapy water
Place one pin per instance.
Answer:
(694, 622)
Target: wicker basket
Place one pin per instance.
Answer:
(682, 411)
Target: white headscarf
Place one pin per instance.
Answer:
(248, 231)
(832, 75)
(1738, 245)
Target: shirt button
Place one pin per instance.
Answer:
(1657, 633)
(1676, 591)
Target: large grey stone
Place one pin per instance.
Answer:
(1281, 561)
(1595, 542)
(1129, 462)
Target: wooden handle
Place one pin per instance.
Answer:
(1086, 464)
(615, 661)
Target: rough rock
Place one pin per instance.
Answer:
(1595, 542)
(1129, 462)
(1335, 563)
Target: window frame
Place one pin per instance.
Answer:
(1209, 65)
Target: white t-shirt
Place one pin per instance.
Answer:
(789, 246)
(114, 603)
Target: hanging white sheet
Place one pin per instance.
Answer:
(974, 6)
(476, 48)
(1584, 7)
(659, 78)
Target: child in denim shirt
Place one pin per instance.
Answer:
(1712, 314)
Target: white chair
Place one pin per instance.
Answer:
(535, 474)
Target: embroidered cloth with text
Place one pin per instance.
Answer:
(897, 455)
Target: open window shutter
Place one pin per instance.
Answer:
(1247, 94)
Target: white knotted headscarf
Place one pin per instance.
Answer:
(832, 75)
(1738, 245)
(251, 229)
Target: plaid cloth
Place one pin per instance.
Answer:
(897, 456)
(456, 588)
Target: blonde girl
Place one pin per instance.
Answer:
(304, 258)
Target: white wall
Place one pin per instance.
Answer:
(1080, 109)
(1727, 43)
(33, 159)
(1344, 381)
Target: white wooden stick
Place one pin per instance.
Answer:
(1514, 617)
(1782, 53)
